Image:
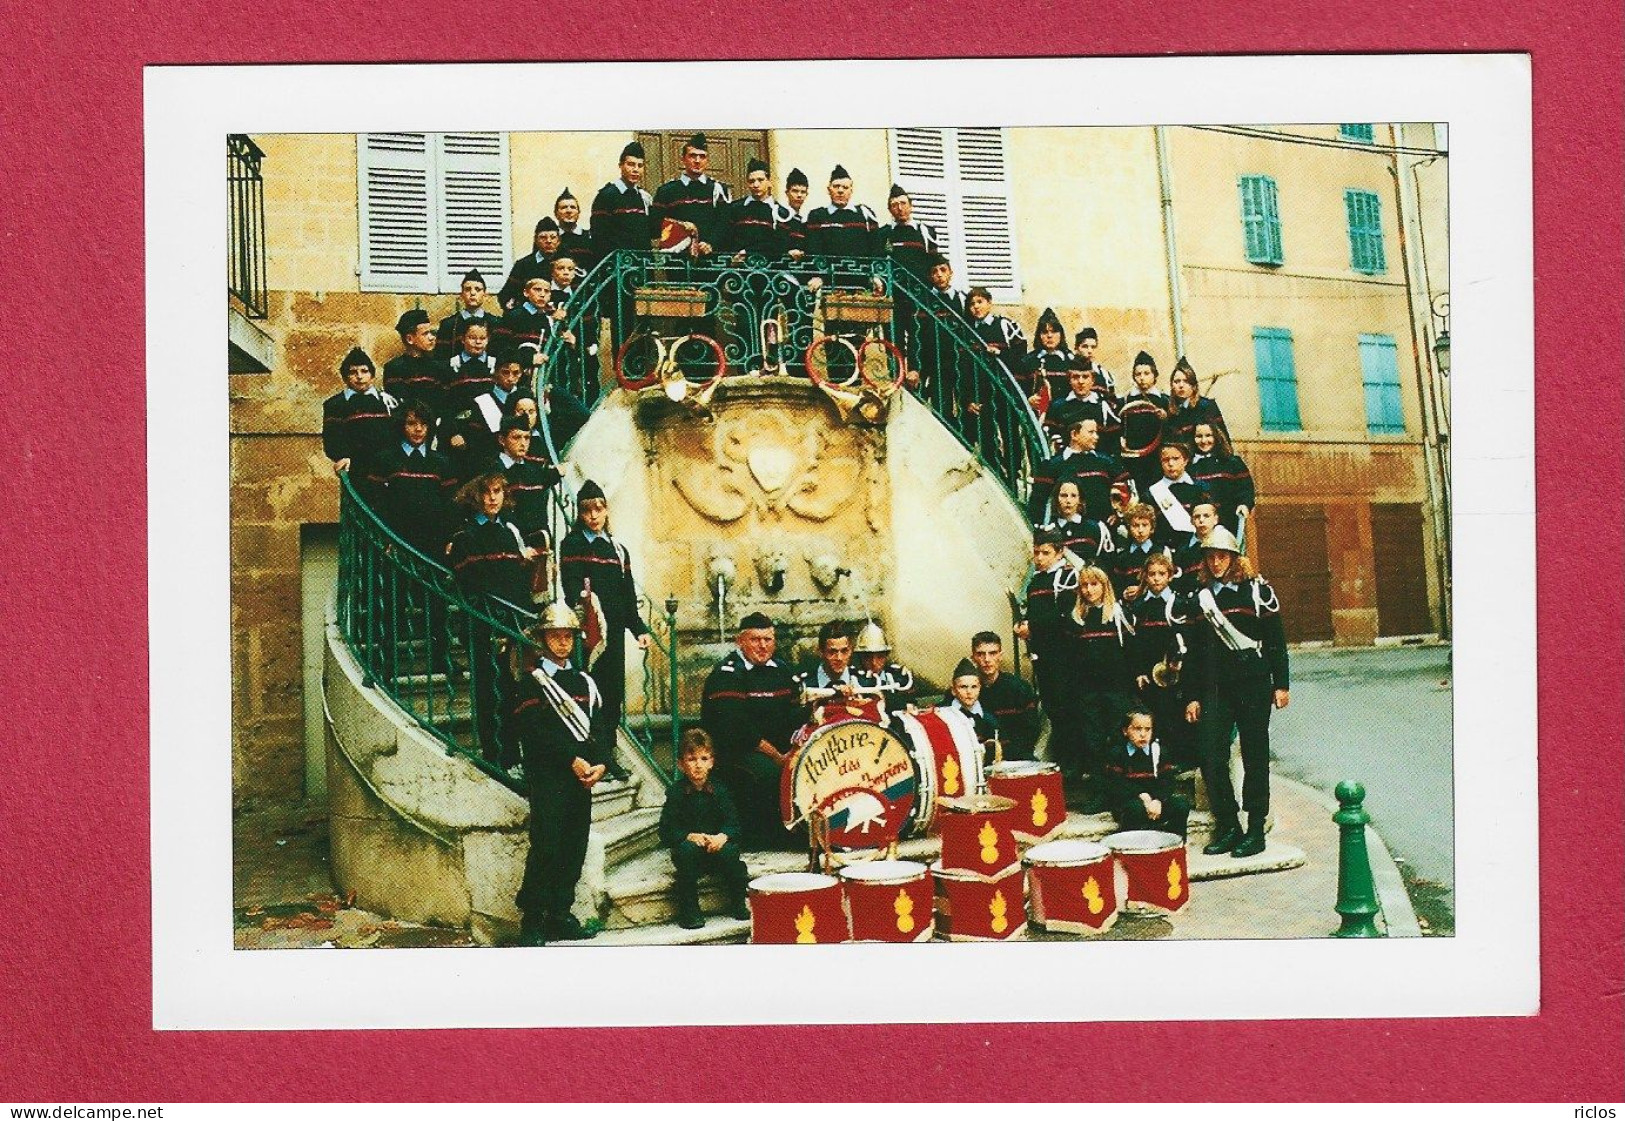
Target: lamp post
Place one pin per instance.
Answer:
(1441, 351)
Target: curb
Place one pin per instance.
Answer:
(1398, 916)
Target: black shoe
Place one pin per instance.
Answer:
(531, 933)
(740, 910)
(566, 928)
(1251, 845)
(1227, 838)
(690, 920)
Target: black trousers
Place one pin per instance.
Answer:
(1100, 713)
(754, 780)
(1176, 813)
(609, 674)
(1176, 734)
(693, 862)
(1237, 707)
(560, 814)
(1067, 742)
(485, 684)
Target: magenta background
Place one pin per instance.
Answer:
(75, 968)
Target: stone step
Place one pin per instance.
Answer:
(629, 835)
(611, 798)
(718, 930)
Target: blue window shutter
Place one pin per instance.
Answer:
(1379, 370)
(1260, 219)
(1272, 220)
(1364, 211)
(1365, 134)
(1277, 380)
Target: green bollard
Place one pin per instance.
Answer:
(1356, 892)
(671, 666)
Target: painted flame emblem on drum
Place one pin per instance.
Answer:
(804, 926)
(904, 906)
(997, 909)
(1175, 880)
(950, 776)
(989, 839)
(1091, 895)
(1040, 805)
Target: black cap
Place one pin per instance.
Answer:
(896, 192)
(839, 173)
(357, 357)
(796, 178)
(633, 149)
(505, 356)
(697, 142)
(1144, 359)
(547, 225)
(1184, 364)
(935, 259)
(563, 195)
(1079, 362)
(588, 492)
(756, 621)
(1049, 321)
(966, 668)
(514, 421)
(755, 166)
(1088, 333)
(410, 321)
(474, 275)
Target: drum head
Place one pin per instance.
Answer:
(978, 803)
(1015, 768)
(787, 883)
(1063, 853)
(1144, 840)
(859, 778)
(884, 872)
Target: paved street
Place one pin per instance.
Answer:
(1381, 717)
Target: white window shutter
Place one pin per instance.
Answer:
(473, 194)
(396, 212)
(959, 181)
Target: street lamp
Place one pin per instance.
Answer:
(1441, 351)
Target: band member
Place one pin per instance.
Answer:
(1187, 407)
(965, 697)
(1084, 400)
(757, 226)
(621, 219)
(1172, 496)
(694, 200)
(796, 189)
(876, 670)
(1084, 345)
(931, 326)
(596, 572)
(555, 710)
(356, 422)
(1140, 780)
(1000, 336)
(470, 430)
(1142, 412)
(1084, 538)
(911, 246)
(532, 320)
(1080, 461)
(470, 306)
(533, 264)
(1128, 560)
(472, 370)
(1094, 652)
(1051, 593)
(1043, 374)
(1157, 654)
(1187, 554)
(843, 228)
(417, 373)
(830, 678)
(749, 707)
(699, 825)
(1007, 698)
(1225, 475)
(575, 240)
(1239, 671)
(530, 483)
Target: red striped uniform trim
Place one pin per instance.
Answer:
(485, 557)
(570, 558)
(739, 696)
(1092, 636)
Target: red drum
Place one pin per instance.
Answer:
(978, 835)
(971, 909)
(797, 908)
(1074, 886)
(1036, 789)
(888, 901)
(947, 760)
(855, 776)
(1154, 863)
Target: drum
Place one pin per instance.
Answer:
(888, 901)
(971, 909)
(1036, 789)
(1074, 886)
(858, 778)
(947, 760)
(796, 908)
(978, 835)
(1153, 862)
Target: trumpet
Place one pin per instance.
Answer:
(1165, 674)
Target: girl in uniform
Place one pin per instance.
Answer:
(1224, 473)
(1094, 639)
(1088, 540)
(1188, 407)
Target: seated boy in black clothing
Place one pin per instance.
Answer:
(1140, 782)
(966, 699)
(700, 825)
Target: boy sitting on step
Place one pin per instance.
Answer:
(700, 824)
(1140, 780)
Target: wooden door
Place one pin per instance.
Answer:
(730, 150)
(1398, 563)
(1292, 556)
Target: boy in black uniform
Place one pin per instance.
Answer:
(470, 431)
(749, 707)
(1043, 373)
(1173, 495)
(532, 265)
(531, 320)
(1085, 401)
(757, 226)
(694, 200)
(1142, 413)
(911, 246)
(356, 421)
(1052, 592)
(876, 670)
(1128, 561)
(931, 324)
(530, 483)
(830, 678)
(1096, 475)
(555, 708)
(1158, 616)
(1084, 346)
(417, 374)
(470, 306)
(1007, 698)
(575, 241)
(700, 825)
(1140, 781)
(471, 370)
(621, 219)
(965, 697)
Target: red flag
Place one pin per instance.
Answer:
(594, 627)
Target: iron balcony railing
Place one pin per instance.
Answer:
(245, 184)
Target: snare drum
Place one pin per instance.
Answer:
(1074, 886)
(978, 835)
(1036, 788)
(1154, 865)
(797, 908)
(971, 909)
(889, 901)
(947, 760)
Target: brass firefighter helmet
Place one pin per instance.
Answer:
(556, 616)
(872, 640)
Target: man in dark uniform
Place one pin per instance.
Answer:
(531, 321)
(694, 200)
(417, 374)
(621, 219)
(1008, 699)
(555, 707)
(470, 306)
(356, 422)
(831, 677)
(911, 246)
(1084, 346)
(1084, 399)
(1079, 462)
(931, 328)
(876, 670)
(532, 264)
(843, 228)
(749, 707)
(1052, 591)
(757, 226)
(575, 240)
(795, 201)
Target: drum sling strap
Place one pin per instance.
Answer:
(576, 722)
(1223, 627)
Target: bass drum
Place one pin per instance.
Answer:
(858, 778)
(947, 761)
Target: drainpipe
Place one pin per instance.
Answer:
(1170, 239)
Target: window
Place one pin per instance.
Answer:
(1379, 370)
(433, 206)
(1261, 220)
(1362, 133)
(1365, 232)
(959, 181)
(1277, 380)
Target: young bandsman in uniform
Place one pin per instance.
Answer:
(530, 483)
(931, 324)
(749, 707)
(965, 697)
(1043, 374)
(1088, 540)
(470, 431)
(1000, 336)
(831, 679)
(1239, 672)
(532, 265)
(1084, 400)
(1128, 560)
(417, 374)
(555, 713)
(1158, 616)
(531, 320)
(471, 370)
(694, 200)
(574, 239)
(1187, 406)
(911, 246)
(1094, 650)
(356, 422)
(1007, 698)
(843, 228)
(876, 670)
(1052, 591)
(757, 226)
(1224, 473)
(1140, 780)
(1142, 413)
(1080, 461)
(1173, 495)
(470, 306)
(1084, 346)
(1187, 554)
(699, 825)
(621, 219)
(796, 190)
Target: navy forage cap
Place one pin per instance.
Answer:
(410, 321)
(896, 191)
(588, 492)
(839, 173)
(965, 668)
(1184, 364)
(796, 178)
(547, 225)
(1144, 359)
(514, 421)
(1088, 333)
(474, 275)
(697, 142)
(633, 149)
(756, 621)
(564, 196)
(755, 166)
(358, 357)
(1050, 321)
